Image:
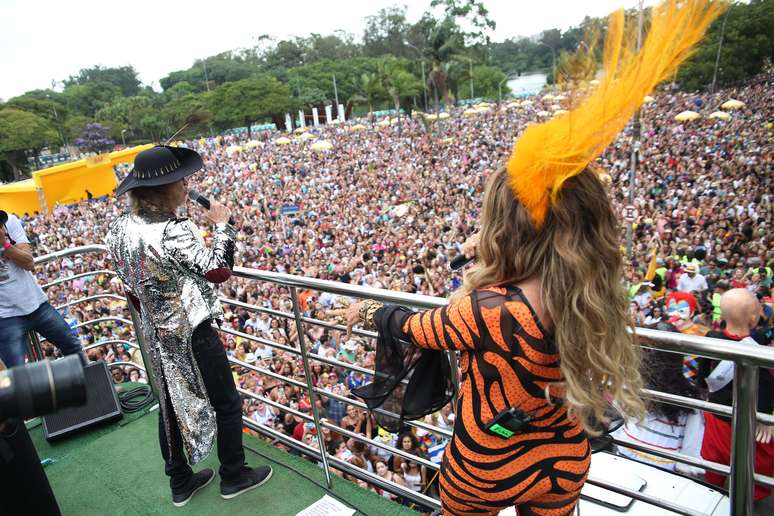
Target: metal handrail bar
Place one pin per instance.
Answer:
(649, 499)
(343, 431)
(261, 340)
(346, 467)
(45, 286)
(360, 404)
(264, 371)
(691, 461)
(288, 315)
(386, 447)
(72, 251)
(343, 399)
(343, 289)
(718, 349)
(111, 341)
(693, 403)
(91, 298)
(97, 320)
(130, 364)
(275, 404)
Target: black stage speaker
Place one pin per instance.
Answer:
(101, 406)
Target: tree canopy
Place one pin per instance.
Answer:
(380, 68)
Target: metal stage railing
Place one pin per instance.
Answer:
(743, 413)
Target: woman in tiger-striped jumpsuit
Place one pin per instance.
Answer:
(507, 360)
(543, 312)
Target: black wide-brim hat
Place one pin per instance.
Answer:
(161, 165)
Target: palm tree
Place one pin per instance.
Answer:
(371, 89)
(398, 82)
(444, 43)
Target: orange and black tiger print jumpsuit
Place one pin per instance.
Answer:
(507, 359)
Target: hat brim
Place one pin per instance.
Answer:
(190, 163)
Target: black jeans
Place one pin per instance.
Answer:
(213, 364)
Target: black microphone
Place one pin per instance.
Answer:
(460, 261)
(195, 196)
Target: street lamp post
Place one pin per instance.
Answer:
(472, 95)
(636, 134)
(422, 63)
(720, 47)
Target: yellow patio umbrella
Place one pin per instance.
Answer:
(232, 149)
(687, 116)
(443, 116)
(733, 104)
(431, 117)
(383, 122)
(448, 140)
(548, 97)
(321, 145)
(470, 112)
(722, 115)
(525, 103)
(253, 144)
(512, 105)
(359, 127)
(300, 130)
(283, 140)
(648, 99)
(306, 136)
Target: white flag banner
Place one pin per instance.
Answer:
(328, 114)
(288, 122)
(301, 120)
(341, 112)
(315, 117)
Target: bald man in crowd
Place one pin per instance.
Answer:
(740, 311)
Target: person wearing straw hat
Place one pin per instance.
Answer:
(541, 322)
(168, 273)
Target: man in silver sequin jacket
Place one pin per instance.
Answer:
(169, 273)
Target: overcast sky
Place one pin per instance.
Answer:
(41, 40)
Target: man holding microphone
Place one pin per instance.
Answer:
(168, 273)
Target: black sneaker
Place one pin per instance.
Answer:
(198, 481)
(250, 479)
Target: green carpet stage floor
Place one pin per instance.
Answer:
(118, 470)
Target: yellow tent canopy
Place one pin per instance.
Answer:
(283, 140)
(687, 116)
(722, 115)
(20, 197)
(322, 145)
(733, 104)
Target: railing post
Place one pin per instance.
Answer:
(309, 386)
(34, 349)
(140, 337)
(742, 480)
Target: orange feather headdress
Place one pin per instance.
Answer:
(548, 154)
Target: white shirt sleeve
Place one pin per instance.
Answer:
(15, 230)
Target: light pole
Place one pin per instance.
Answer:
(720, 47)
(470, 60)
(553, 60)
(422, 63)
(636, 130)
(206, 80)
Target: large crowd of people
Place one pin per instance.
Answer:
(390, 204)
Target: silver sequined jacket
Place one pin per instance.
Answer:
(167, 268)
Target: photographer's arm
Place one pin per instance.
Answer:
(21, 255)
(15, 248)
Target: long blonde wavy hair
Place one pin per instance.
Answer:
(576, 255)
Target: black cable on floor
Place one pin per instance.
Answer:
(130, 403)
(318, 484)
